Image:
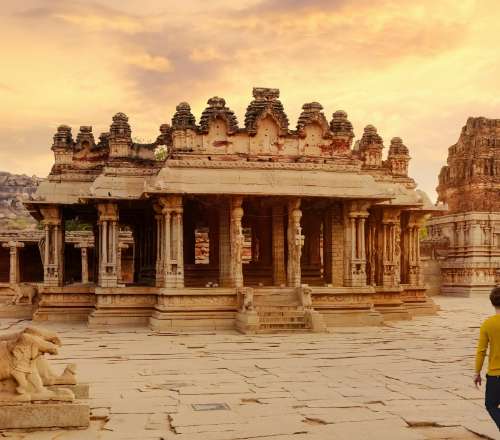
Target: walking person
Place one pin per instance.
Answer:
(489, 336)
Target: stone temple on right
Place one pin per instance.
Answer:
(469, 187)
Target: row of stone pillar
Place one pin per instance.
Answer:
(363, 247)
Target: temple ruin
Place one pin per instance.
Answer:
(469, 188)
(258, 227)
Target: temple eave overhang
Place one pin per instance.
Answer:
(270, 182)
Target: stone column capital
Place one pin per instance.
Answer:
(13, 244)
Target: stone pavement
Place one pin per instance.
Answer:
(405, 381)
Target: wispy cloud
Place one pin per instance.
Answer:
(414, 69)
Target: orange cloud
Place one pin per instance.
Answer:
(413, 69)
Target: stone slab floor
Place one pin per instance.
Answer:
(404, 381)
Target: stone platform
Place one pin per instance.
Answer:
(405, 380)
(42, 415)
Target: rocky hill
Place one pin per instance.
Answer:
(13, 187)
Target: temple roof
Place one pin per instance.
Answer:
(264, 158)
(270, 182)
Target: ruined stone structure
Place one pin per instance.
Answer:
(260, 227)
(32, 395)
(469, 187)
(22, 266)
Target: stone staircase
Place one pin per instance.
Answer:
(279, 310)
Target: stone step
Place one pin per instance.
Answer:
(289, 313)
(286, 320)
(282, 326)
(270, 331)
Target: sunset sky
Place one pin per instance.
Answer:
(414, 69)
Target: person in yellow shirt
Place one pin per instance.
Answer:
(489, 336)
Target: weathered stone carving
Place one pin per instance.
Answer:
(24, 290)
(25, 373)
(469, 186)
(217, 109)
(370, 147)
(471, 180)
(265, 103)
(183, 118)
(245, 299)
(398, 157)
(342, 133)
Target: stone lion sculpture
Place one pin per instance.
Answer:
(24, 371)
(22, 290)
(245, 298)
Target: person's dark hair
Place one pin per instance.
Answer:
(495, 296)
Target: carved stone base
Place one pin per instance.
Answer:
(388, 302)
(315, 321)
(351, 318)
(394, 313)
(426, 308)
(247, 322)
(42, 415)
(18, 311)
(185, 321)
(465, 290)
(128, 317)
(72, 303)
(61, 314)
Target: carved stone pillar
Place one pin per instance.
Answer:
(278, 238)
(160, 246)
(53, 248)
(84, 247)
(390, 245)
(108, 244)
(237, 239)
(224, 246)
(14, 274)
(121, 248)
(415, 222)
(355, 247)
(172, 241)
(295, 243)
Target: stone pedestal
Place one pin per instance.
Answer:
(44, 415)
(315, 321)
(247, 322)
(194, 309)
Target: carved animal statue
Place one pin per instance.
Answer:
(22, 362)
(23, 290)
(245, 295)
(306, 296)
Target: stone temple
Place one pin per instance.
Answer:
(469, 187)
(258, 227)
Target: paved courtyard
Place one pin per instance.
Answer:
(404, 381)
